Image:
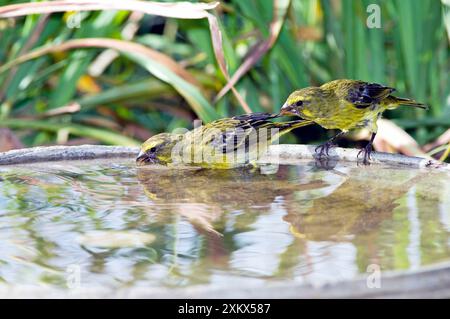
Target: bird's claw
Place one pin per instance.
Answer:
(367, 150)
(324, 149)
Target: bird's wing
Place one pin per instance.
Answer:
(230, 134)
(364, 94)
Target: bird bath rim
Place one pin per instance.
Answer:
(428, 281)
(283, 152)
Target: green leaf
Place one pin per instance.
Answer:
(104, 136)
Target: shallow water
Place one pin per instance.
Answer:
(115, 225)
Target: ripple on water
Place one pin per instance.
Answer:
(126, 226)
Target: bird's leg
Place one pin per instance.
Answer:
(325, 147)
(367, 150)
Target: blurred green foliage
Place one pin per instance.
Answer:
(320, 40)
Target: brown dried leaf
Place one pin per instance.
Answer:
(308, 33)
(119, 45)
(8, 140)
(216, 38)
(280, 9)
(392, 138)
(70, 108)
(180, 10)
(441, 140)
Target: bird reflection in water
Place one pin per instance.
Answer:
(342, 204)
(207, 199)
(205, 195)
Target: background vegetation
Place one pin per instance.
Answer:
(59, 87)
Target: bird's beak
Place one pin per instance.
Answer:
(288, 110)
(142, 157)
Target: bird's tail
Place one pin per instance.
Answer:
(286, 127)
(399, 101)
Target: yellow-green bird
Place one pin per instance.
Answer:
(344, 105)
(222, 144)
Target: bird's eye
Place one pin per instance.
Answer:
(152, 150)
(299, 103)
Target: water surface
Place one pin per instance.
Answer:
(119, 226)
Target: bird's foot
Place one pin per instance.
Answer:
(324, 149)
(367, 150)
